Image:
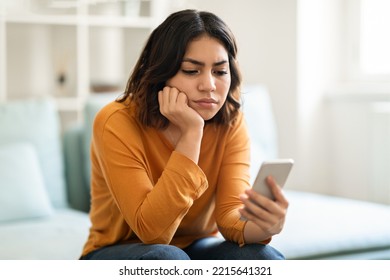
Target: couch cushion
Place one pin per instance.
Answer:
(37, 122)
(326, 227)
(22, 190)
(60, 236)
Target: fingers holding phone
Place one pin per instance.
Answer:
(268, 214)
(257, 203)
(265, 204)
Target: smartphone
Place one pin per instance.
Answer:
(279, 169)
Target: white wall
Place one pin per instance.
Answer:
(319, 68)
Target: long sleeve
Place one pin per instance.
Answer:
(233, 180)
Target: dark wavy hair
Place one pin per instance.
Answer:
(162, 57)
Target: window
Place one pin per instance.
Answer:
(375, 37)
(369, 41)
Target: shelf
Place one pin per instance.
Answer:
(108, 21)
(43, 19)
(120, 21)
(66, 52)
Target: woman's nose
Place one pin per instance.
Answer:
(207, 83)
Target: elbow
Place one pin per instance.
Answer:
(152, 236)
(152, 239)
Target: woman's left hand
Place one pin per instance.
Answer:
(269, 215)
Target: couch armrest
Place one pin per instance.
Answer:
(78, 190)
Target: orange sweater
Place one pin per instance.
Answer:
(144, 191)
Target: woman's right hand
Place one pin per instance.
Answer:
(174, 106)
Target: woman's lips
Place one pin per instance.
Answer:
(207, 103)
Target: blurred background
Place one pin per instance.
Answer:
(325, 64)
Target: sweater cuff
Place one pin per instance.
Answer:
(241, 225)
(189, 170)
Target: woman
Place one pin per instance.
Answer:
(170, 158)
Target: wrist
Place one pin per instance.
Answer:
(192, 135)
(255, 234)
(189, 144)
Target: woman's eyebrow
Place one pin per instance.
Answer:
(196, 62)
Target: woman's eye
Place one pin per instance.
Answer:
(190, 72)
(221, 72)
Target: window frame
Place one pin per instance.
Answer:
(352, 47)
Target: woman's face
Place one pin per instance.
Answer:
(204, 76)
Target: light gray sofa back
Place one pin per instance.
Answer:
(37, 122)
(257, 108)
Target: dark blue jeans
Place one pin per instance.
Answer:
(210, 248)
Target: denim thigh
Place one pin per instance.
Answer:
(215, 248)
(137, 251)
